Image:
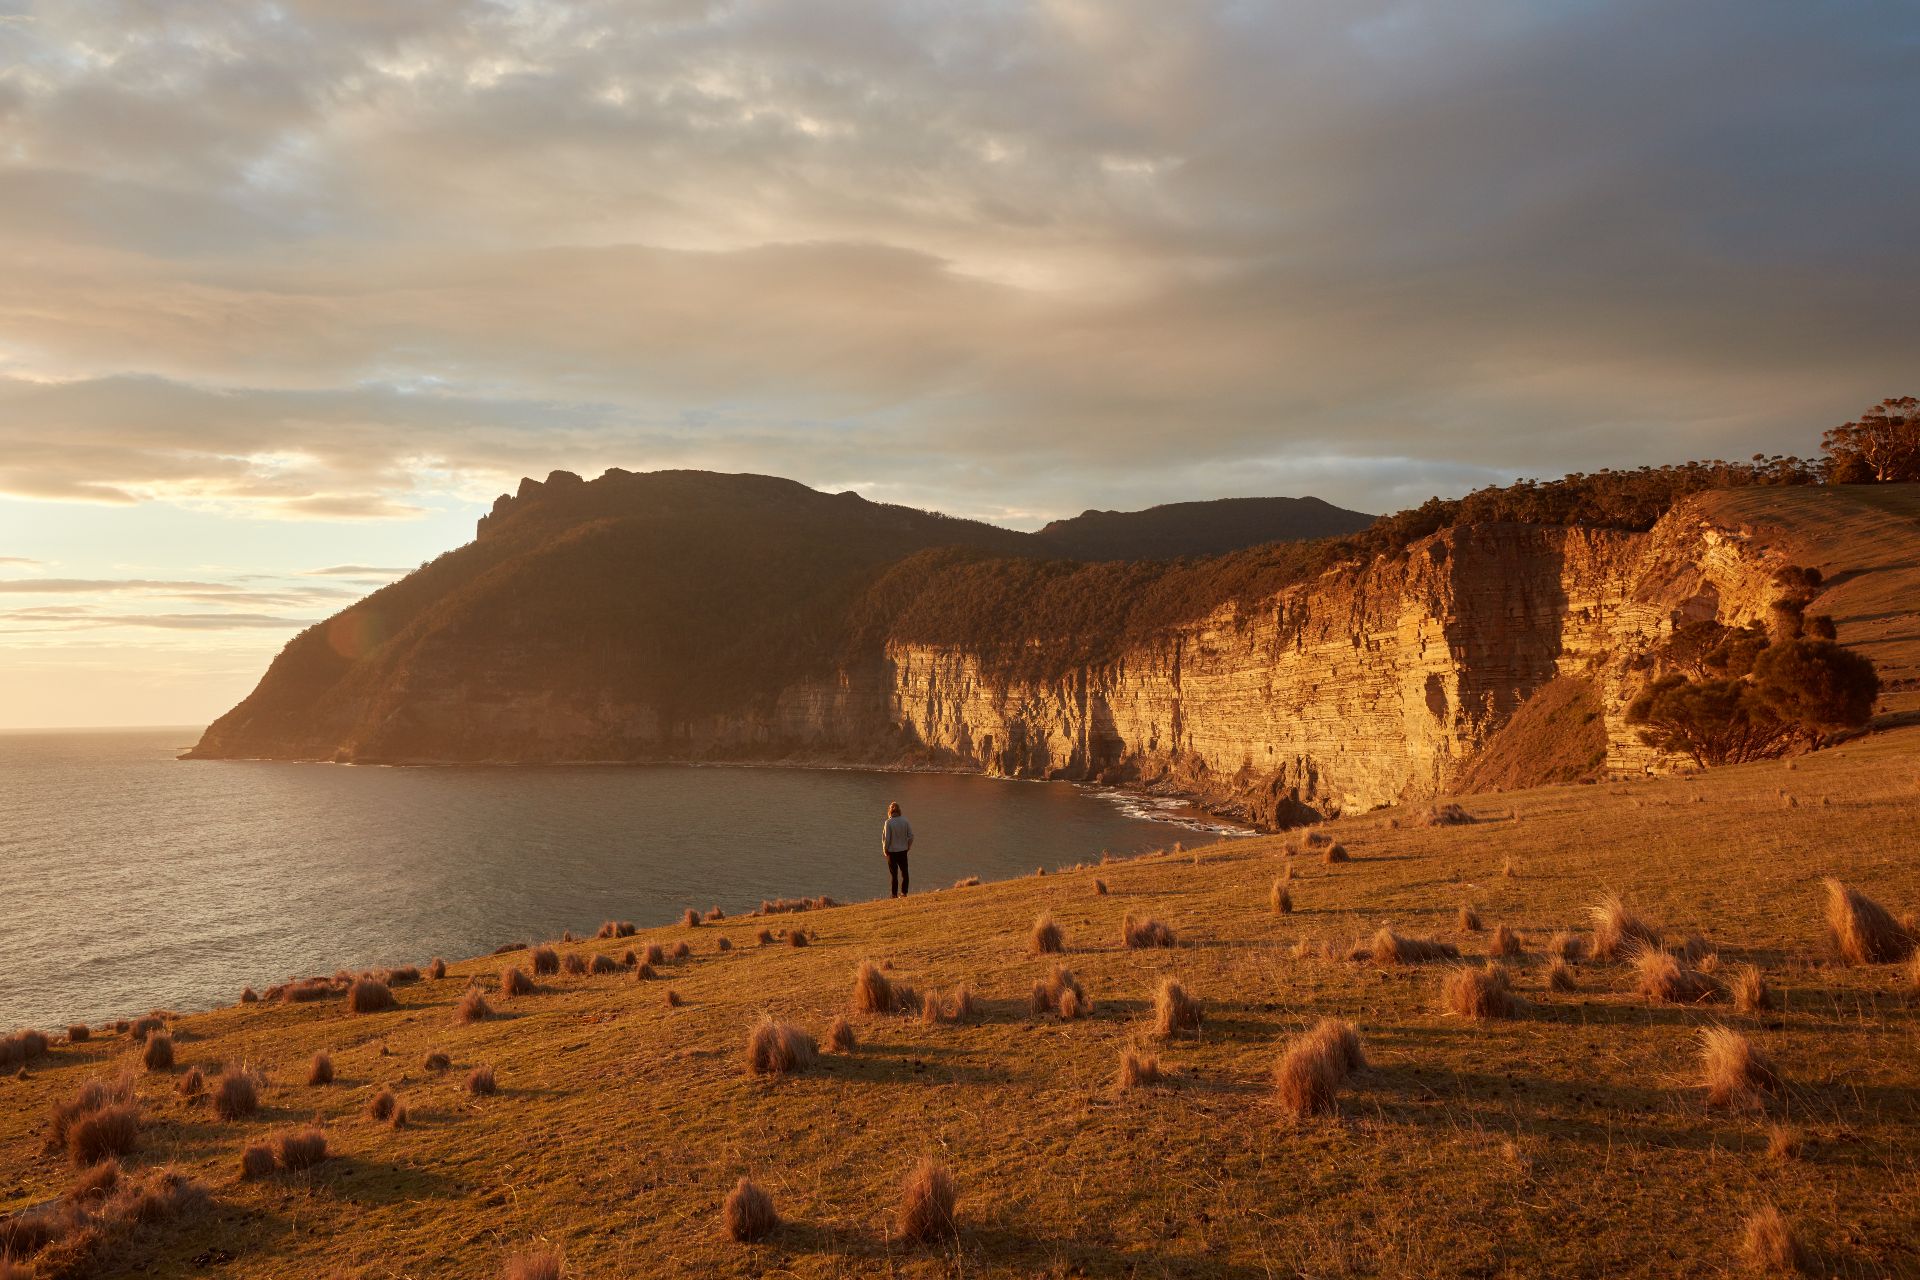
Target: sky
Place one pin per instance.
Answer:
(292, 290)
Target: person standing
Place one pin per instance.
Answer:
(896, 839)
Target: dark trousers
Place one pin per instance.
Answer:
(897, 871)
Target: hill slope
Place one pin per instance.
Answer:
(1574, 1140)
(1198, 528)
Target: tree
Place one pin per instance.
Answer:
(1882, 445)
(1714, 721)
(1819, 687)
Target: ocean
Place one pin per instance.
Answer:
(130, 880)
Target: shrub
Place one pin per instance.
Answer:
(1734, 1072)
(1046, 937)
(1469, 919)
(545, 961)
(575, 963)
(369, 995)
(380, 1106)
(1505, 942)
(749, 1212)
(235, 1094)
(1751, 994)
(515, 982)
(480, 1082)
(540, 1264)
(249, 996)
(1617, 931)
(437, 1061)
(301, 1148)
(159, 1052)
(1863, 931)
(1770, 1245)
(1662, 977)
(1145, 933)
(602, 964)
(438, 969)
(1280, 899)
(927, 1203)
(1138, 1069)
(1389, 947)
(256, 1160)
(473, 1007)
(840, 1036)
(1308, 1076)
(1476, 992)
(872, 992)
(79, 1033)
(1819, 687)
(1174, 1010)
(777, 1048)
(320, 1070)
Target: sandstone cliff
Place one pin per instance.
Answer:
(1361, 685)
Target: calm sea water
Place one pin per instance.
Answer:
(130, 880)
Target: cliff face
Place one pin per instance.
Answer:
(678, 635)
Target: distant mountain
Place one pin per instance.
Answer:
(656, 614)
(1197, 528)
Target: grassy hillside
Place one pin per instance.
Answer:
(1573, 1140)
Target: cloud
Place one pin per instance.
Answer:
(356, 571)
(86, 620)
(343, 261)
(19, 562)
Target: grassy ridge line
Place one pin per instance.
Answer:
(1574, 1141)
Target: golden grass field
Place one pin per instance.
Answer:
(1574, 1140)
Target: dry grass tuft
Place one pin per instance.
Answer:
(481, 1082)
(236, 1094)
(79, 1033)
(795, 938)
(1058, 992)
(473, 1007)
(1617, 932)
(400, 1118)
(967, 882)
(191, 1085)
(1445, 815)
(683, 949)
(159, 1052)
(1560, 976)
(764, 937)
(437, 1062)
(320, 1070)
(1477, 992)
(369, 995)
(644, 972)
(1144, 933)
(545, 960)
(1863, 931)
(955, 1006)
(1469, 919)
(840, 1038)
(1785, 1142)
(749, 1212)
(655, 954)
(1769, 1245)
(575, 964)
(1505, 942)
(1139, 1069)
(691, 918)
(1280, 898)
(257, 1160)
(1660, 976)
(872, 992)
(1388, 947)
(438, 969)
(1570, 947)
(1735, 1073)
(1308, 1076)
(1174, 1010)
(1751, 994)
(927, 1203)
(515, 982)
(540, 1264)
(140, 1028)
(725, 944)
(601, 964)
(776, 1048)
(1335, 852)
(301, 1148)
(1100, 886)
(673, 999)
(1046, 937)
(380, 1106)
